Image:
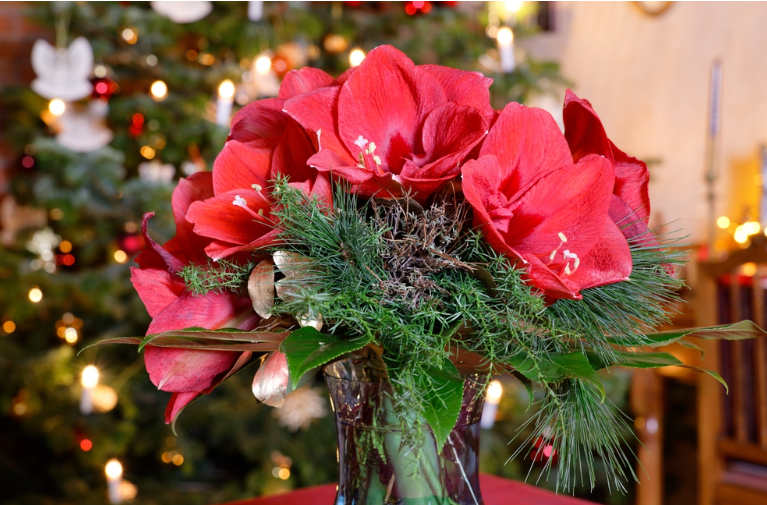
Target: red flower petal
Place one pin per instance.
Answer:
(543, 278)
(184, 370)
(292, 153)
(240, 165)
(586, 135)
(583, 129)
(156, 288)
(451, 130)
(462, 87)
(385, 101)
(212, 311)
(573, 201)
(607, 262)
(631, 180)
(196, 187)
(318, 111)
(298, 82)
(177, 403)
(220, 219)
(156, 256)
(527, 143)
(261, 119)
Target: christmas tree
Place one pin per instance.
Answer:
(128, 99)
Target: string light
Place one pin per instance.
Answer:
(513, 6)
(263, 65)
(356, 57)
(70, 335)
(120, 256)
(159, 90)
(130, 35)
(9, 327)
(335, 43)
(35, 295)
(57, 107)
(723, 222)
(100, 71)
(147, 152)
(86, 445)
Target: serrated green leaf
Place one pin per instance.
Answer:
(307, 348)
(442, 399)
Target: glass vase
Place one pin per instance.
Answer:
(378, 466)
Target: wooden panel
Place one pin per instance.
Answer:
(752, 453)
(710, 464)
(761, 390)
(730, 494)
(646, 400)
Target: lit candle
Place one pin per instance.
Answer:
(506, 49)
(114, 471)
(224, 102)
(89, 381)
(255, 10)
(492, 399)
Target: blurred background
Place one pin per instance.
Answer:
(103, 106)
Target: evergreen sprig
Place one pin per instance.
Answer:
(216, 277)
(484, 306)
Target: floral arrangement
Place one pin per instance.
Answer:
(391, 214)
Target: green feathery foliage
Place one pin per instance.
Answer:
(216, 277)
(476, 300)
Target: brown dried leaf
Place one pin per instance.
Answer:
(270, 385)
(261, 287)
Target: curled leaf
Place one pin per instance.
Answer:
(270, 385)
(261, 287)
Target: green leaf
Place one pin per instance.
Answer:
(443, 395)
(574, 365)
(737, 331)
(557, 367)
(224, 339)
(307, 348)
(634, 360)
(528, 387)
(649, 360)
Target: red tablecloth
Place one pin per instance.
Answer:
(495, 491)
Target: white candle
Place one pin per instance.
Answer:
(89, 380)
(255, 10)
(715, 103)
(224, 102)
(506, 49)
(492, 399)
(114, 471)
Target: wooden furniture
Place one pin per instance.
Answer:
(495, 491)
(732, 428)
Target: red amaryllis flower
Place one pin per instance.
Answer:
(586, 135)
(537, 207)
(264, 143)
(186, 373)
(393, 125)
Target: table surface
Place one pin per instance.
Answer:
(495, 491)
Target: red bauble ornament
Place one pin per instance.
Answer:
(131, 243)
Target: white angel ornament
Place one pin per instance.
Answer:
(62, 73)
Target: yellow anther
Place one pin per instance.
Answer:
(562, 237)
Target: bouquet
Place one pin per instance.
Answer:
(392, 218)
